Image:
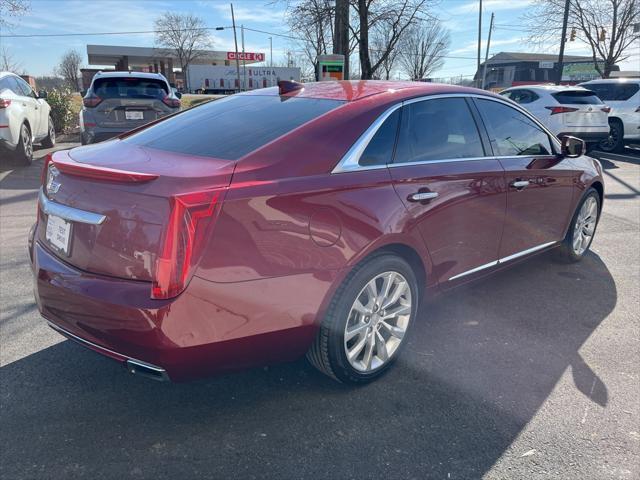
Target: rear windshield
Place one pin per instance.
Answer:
(232, 127)
(129, 87)
(614, 91)
(577, 97)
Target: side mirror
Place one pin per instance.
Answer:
(572, 146)
(83, 93)
(42, 94)
(178, 94)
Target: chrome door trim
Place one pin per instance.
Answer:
(525, 252)
(503, 260)
(69, 213)
(350, 160)
(474, 270)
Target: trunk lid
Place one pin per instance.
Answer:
(133, 187)
(587, 108)
(129, 112)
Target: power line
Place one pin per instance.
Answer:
(89, 34)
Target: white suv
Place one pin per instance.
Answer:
(24, 118)
(572, 111)
(623, 96)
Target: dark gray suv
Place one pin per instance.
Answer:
(117, 102)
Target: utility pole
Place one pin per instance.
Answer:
(235, 40)
(479, 36)
(271, 51)
(244, 62)
(341, 34)
(486, 55)
(562, 41)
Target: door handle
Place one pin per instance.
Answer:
(520, 184)
(422, 196)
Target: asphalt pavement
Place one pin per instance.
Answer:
(530, 374)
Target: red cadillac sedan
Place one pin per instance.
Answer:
(300, 219)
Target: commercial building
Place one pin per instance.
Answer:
(158, 60)
(508, 69)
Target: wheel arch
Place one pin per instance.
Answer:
(599, 187)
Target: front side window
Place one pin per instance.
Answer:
(379, 151)
(25, 88)
(511, 132)
(438, 129)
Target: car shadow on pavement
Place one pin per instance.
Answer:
(481, 361)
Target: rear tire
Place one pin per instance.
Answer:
(358, 341)
(615, 142)
(50, 139)
(582, 228)
(24, 151)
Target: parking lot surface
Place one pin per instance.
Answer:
(530, 374)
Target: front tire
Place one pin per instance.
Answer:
(367, 321)
(24, 150)
(50, 139)
(582, 228)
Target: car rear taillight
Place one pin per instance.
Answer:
(91, 101)
(555, 110)
(190, 217)
(171, 102)
(4, 102)
(45, 169)
(606, 109)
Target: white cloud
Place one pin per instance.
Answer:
(257, 13)
(473, 46)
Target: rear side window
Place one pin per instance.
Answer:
(4, 84)
(523, 96)
(511, 132)
(577, 97)
(438, 129)
(232, 127)
(614, 91)
(129, 87)
(380, 148)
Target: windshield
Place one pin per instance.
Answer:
(232, 127)
(130, 87)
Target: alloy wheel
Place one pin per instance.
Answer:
(377, 321)
(585, 225)
(26, 142)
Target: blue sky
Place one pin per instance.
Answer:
(38, 56)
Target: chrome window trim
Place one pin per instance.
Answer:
(69, 213)
(503, 260)
(350, 160)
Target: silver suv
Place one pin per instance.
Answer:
(623, 96)
(117, 102)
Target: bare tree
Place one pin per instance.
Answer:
(184, 35)
(7, 62)
(312, 21)
(379, 40)
(69, 69)
(12, 8)
(423, 49)
(605, 25)
(396, 16)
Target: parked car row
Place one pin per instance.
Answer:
(604, 113)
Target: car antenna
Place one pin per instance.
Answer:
(286, 86)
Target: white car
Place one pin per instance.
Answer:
(573, 111)
(623, 96)
(24, 118)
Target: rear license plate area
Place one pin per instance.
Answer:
(58, 234)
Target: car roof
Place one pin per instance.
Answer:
(546, 88)
(612, 80)
(353, 90)
(120, 74)
(7, 74)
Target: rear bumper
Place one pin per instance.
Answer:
(210, 328)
